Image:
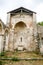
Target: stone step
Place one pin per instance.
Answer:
(21, 58)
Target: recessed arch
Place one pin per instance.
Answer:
(20, 26)
(19, 31)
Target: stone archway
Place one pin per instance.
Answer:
(19, 35)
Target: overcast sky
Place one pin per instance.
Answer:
(8, 5)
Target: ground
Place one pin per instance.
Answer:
(23, 62)
(22, 55)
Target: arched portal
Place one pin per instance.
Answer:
(19, 35)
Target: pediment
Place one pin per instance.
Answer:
(20, 10)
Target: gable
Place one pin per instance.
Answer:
(21, 9)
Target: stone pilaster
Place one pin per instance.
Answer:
(11, 40)
(8, 18)
(35, 31)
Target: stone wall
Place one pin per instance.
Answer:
(1, 42)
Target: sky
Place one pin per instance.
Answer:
(8, 5)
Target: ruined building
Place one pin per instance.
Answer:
(20, 32)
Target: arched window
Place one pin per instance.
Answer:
(0, 27)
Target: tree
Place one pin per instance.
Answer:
(40, 23)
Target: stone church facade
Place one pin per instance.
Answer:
(20, 31)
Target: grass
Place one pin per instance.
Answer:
(20, 55)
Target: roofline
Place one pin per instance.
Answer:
(21, 8)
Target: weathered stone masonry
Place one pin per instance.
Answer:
(20, 32)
